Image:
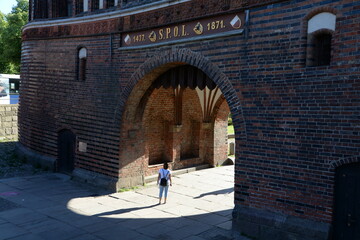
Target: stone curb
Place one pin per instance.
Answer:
(153, 178)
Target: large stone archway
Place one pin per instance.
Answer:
(169, 139)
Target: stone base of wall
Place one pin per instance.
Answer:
(8, 121)
(34, 158)
(81, 175)
(126, 182)
(262, 224)
(95, 179)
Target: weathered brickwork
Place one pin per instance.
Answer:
(302, 118)
(163, 16)
(221, 134)
(8, 121)
(294, 124)
(159, 134)
(81, 29)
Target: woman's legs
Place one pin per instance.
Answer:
(166, 192)
(160, 193)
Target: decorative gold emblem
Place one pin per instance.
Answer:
(127, 40)
(152, 36)
(198, 29)
(236, 22)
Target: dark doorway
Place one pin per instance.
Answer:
(347, 203)
(322, 49)
(66, 151)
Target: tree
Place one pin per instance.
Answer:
(10, 37)
(3, 64)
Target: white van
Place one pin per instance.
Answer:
(9, 88)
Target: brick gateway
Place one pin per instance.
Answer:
(112, 88)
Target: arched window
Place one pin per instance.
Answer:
(61, 8)
(320, 30)
(110, 3)
(95, 5)
(70, 8)
(81, 6)
(40, 9)
(81, 64)
(31, 10)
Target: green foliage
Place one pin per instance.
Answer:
(21, 6)
(10, 37)
(230, 120)
(3, 25)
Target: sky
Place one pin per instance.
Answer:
(6, 5)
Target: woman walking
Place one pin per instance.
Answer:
(164, 179)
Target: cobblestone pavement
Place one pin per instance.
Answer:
(52, 206)
(37, 205)
(10, 164)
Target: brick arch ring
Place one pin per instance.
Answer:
(186, 56)
(343, 161)
(322, 9)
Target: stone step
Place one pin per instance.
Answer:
(150, 180)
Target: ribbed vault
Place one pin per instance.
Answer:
(187, 76)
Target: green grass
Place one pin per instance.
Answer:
(127, 189)
(230, 129)
(6, 139)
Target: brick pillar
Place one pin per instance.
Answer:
(207, 143)
(176, 144)
(168, 138)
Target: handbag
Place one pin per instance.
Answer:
(163, 181)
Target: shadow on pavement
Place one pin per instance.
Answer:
(224, 191)
(121, 211)
(51, 206)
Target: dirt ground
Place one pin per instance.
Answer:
(10, 164)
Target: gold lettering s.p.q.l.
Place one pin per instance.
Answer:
(172, 32)
(193, 29)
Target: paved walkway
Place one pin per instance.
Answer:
(51, 206)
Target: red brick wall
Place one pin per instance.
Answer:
(191, 124)
(294, 124)
(53, 99)
(221, 134)
(162, 139)
(296, 115)
(165, 15)
(157, 121)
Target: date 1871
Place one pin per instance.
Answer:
(215, 25)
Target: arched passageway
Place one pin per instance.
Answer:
(176, 114)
